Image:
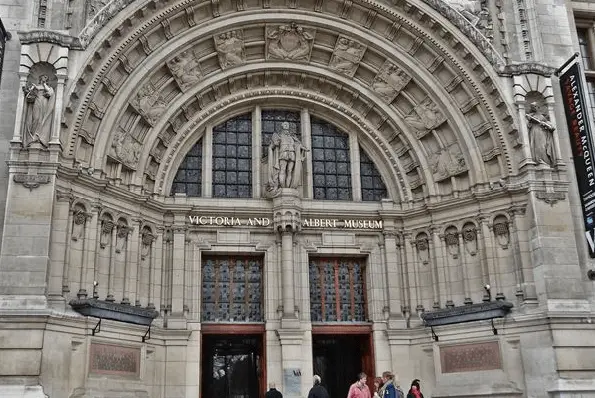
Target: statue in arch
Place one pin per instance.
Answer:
(541, 136)
(285, 156)
(40, 101)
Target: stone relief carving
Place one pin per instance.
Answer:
(289, 42)
(541, 135)
(125, 149)
(447, 163)
(104, 14)
(425, 117)
(451, 239)
(230, 49)
(40, 100)
(285, 156)
(147, 240)
(122, 237)
(502, 232)
(149, 103)
(105, 239)
(476, 12)
(78, 224)
(31, 181)
(347, 55)
(389, 81)
(93, 7)
(422, 247)
(185, 69)
(470, 239)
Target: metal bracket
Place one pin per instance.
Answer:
(494, 328)
(147, 335)
(97, 328)
(434, 335)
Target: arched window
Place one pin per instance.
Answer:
(232, 158)
(189, 176)
(331, 167)
(237, 168)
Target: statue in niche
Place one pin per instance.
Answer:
(541, 136)
(289, 42)
(78, 225)
(347, 55)
(230, 49)
(147, 242)
(452, 243)
(185, 69)
(40, 102)
(422, 246)
(425, 117)
(285, 156)
(389, 81)
(105, 239)
(502, 233)
(470, 239)
(121, 237)
(149, 103)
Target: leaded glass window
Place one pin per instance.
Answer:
(271, 121)
(373, 188)
(232, 289)
(337, 290)
(188, 179)
(331, 168)
(232, 158)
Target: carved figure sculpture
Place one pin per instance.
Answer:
(78, 225)
(121, 237)
(425, 117)
(389, 81)
(185, 69)
(230, 48)
(40, 102)
(541, 136)
(106, 233)
(347, 55)
(147, 242)
(289, 42)
(93, 7)
(126, 149)
(285, 156)
(150, 104)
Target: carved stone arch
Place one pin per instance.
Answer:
(501, 229)
(478, 77)
(82, 204)
(384, 165)
(107, 214)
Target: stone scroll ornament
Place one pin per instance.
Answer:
(285, 156)
(389, 81)
(185, 69)
(289, 42)
(40, 101)
(230, 49)
(347, 55)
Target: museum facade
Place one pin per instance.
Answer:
(205, 197)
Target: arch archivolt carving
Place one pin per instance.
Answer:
(476, 122)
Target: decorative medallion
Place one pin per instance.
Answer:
(289, 42)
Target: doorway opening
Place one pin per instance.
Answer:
(338, 358)
(232, 366)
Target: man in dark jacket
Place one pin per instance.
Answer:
(273, 392)
(318, 391)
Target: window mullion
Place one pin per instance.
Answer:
(355, 168)
(207, 163)
(256, 151)
(307, 142)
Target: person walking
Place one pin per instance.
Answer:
(360, 389)
(415, 390)
(273, 392)
(318, 391)
(388, 389)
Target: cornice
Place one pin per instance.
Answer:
(50, 36)
(528, 68)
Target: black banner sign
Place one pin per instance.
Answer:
(581, 141)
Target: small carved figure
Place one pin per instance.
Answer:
(93, 7)
(78, 225)
(121, 237)
(289, 42)
(185, 69)
(40, 99)
(389, 81)
(147, 242)
(425, 117)
(347, 55)
(230, 48)
(541, 136)
(422, 246)
(106, 233)
(149, 103)
(285, 156)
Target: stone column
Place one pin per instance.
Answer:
(88, 267)
(394, 282)
(155, 272)
(177, 275)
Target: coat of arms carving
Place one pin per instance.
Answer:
(289, 42)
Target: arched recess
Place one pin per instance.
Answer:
(440, 67)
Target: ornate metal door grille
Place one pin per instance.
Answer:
(232, 289)
(337, 290)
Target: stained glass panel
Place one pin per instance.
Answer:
(373, 188)
(271, 122)
(232, 158)
(337, 290)
(331, 168)
(188, 179)
(232, 289)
